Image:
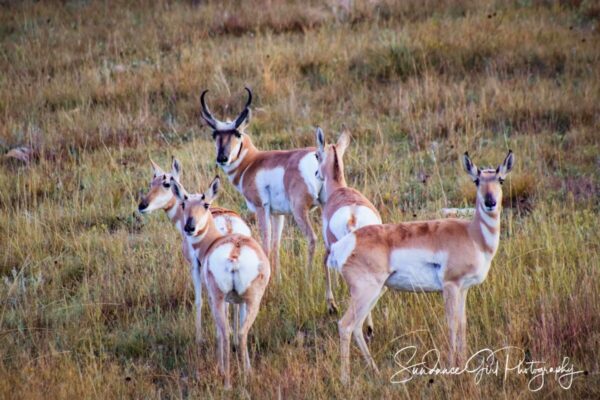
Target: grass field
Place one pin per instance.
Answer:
(97, 302)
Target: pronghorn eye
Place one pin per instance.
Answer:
(501, 180)
(183, 206)
(476, 182)
(206, 205)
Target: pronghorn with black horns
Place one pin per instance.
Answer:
(160, 196)
(446, 255)
(345, 209)
(274, 183)
(234, 270)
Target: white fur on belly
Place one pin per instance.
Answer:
(416, 270)
(223, 222)
(338, 224)
(271, 190)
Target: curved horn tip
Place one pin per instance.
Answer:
(249, 95)
(509, 151)
(202, 101)
(467, 153)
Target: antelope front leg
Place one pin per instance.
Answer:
(196, 279)
(331, 306)
(462, 327)
(300, 213)
(451, 301)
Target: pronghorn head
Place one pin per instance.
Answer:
(196, 211)
(489, 181)
(160, 194)
(227, 135)
(331, 163)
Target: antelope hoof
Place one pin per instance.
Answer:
(369, 334)
(332, 308)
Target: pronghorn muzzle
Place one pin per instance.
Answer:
(190, 226)
(489, 201)
(143, 205)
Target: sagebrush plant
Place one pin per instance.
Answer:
(96, 301)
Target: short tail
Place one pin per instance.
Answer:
(341, 251)
(351, 224)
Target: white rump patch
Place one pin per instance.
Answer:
(340, 251)
(416, 270)
(338, 224)
(237, 225)
(235, 274)
(308, 168)
(271, 190)
(240, 226)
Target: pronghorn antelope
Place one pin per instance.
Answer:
(234, 270)
(274, 183)
(160, 196)
(345, 209)
(446, 255)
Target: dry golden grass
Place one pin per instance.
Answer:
(96, 301)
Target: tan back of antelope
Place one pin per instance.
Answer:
(234, 270)
(274, 183)
(344, 210)
(447, 255)
(160, 196)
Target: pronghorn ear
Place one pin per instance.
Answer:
(178, 190)
(213, 190)
(320, 140)
(175, 169)
(156, 170)
(471, 168)
(342, 143)
(506, 166)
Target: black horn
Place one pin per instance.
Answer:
(206, 114)
(249, 97)
(245, 114)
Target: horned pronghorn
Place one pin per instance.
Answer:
(160, 196)
(234, 270)
(274, 183)
(345, 209)
(446, 255)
